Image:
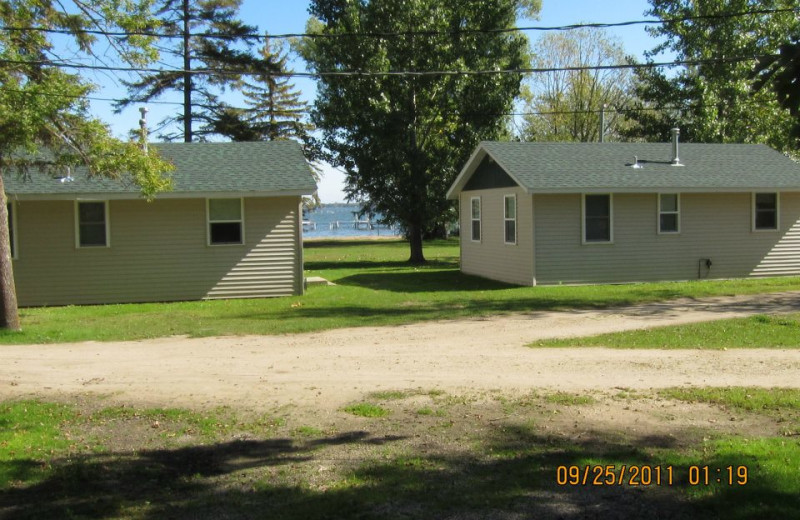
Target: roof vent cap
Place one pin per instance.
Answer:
(636, 163)
(676, 160)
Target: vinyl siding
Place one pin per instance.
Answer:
(158, 252)
(492, 257)
(716, 226)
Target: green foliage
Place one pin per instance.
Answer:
(44, 119)
(203, 114)
(367, 410)
(753, 332)
(782, 73)
(566, 104)
(715, 100)
(568, 399)
(401, 139)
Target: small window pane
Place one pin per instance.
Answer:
(476, 208)
(598, 218)
(766, 201)
(93, 234)
(92, 224)
(598, 206)
(476, 230)
(224, 209)
(766, 211)
(226, 233)
(669, 223)
(92, 212)
(766, 220)
(598, 230)
(669, 202)
(511, 231)
(511, 207)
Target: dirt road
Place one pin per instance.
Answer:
(327, 369)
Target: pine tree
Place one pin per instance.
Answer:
(201, 35)
(273, 108)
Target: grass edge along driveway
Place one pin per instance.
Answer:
(375, 287)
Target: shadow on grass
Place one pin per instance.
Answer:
(514, 478)
(422, 281)
(323, 265)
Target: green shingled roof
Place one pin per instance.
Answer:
(256, 168)
(595, 167)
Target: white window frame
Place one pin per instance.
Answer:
(753, 211)
(240, 221)
(506, 219)
(12, 212)
(106, 214)
(677, 214)
(610, 220)
(472, 219)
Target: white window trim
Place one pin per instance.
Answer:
(209, 222)
(107, 214)
(777, 212)
(506, 219)
(677, 213)
(610, 221)
(12, 208)
(473, 219)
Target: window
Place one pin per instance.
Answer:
(92, 224)
(765, 211)
(225, 223)
(597, 218)
(669, 213)
(475, 202)
(510, 218)
(12, 231)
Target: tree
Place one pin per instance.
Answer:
(42, 106)
(202, 36)
(782, 73)
(402, 138)
(273, 109)
(714, 98)
(565, 105)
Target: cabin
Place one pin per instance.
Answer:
(230, 228)
(590, 213)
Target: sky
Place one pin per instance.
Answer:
(290, 16)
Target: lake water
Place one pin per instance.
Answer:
(341, 220)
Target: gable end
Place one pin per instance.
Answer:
(489, 175)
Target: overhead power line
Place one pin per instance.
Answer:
(504, 114)
(394, 34)
(390, 73)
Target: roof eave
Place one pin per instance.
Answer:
(161, 196)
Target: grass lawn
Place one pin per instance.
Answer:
(425, 455)
(753, 332)
(375, 286)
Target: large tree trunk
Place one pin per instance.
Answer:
(9, 316)
(415, 241)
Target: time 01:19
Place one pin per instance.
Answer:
(705, 475)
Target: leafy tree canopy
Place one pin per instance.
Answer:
(44, 119)
(714, 100)
(402, 138)
(565, 105)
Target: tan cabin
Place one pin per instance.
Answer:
(583, 213)
(230, 228)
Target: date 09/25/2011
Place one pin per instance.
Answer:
(641, 475)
